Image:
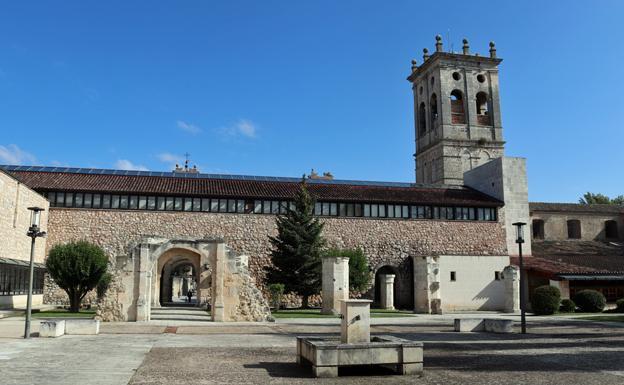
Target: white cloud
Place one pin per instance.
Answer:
(170, 159)
(124, 164)
(12, 154)
(188, 127)
(242, 127)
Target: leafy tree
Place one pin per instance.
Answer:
(296, 249)
(77, 268)
(103, 285)
(600, 199)
(359, 272)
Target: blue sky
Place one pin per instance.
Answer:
(280, 87)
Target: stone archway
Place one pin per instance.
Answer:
(177, 272)
(222, 278)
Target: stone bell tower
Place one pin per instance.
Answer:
(457, 113)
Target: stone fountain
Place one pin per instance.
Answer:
(356, 347)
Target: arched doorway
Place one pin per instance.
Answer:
(403, 284)
(178, 272)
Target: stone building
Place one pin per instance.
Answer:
(15, 199)
(577, 247)
(446, 240)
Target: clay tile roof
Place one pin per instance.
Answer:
(162, 183)
(576, 257)
(576, 208)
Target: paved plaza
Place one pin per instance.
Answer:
(557, 351)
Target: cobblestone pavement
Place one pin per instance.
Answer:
(555, 352)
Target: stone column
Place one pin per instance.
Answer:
(511, 278)
(355, 321)
(218, 308)
(142, 300)
(387, 291)
(335, 283)
(427, 296)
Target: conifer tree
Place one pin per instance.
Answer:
(296, 252)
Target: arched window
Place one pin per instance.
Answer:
(574, 229)
(611, 230)
(483, 116)
(457, 107)
(538, 229)
(422, 119)
(433, 105)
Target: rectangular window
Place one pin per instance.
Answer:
(480, 214)
(223, 205)
(453, 276)
(106, 201)
(231, 206)
(342, 209)
(177, 204)
(333, 209)
(390, 211)
(214, 205)
(188, 204)
(292, 205)
(367, 210)
(142, 203)
(325, 208)
(471, 214)
(374, 211)
(52, 198)
(69, 199)
(162, 203)
(405, 211)
(88, 200)
(123, 202)
(283, 207)
(151, 203)
(257, 207)
(318, 208)
(196, 204)
(240, 206)
(274, 207)
(487, 214)
(114, 201)
(78, 200)
(358, 210)
(205, 204)
(250, 206)
(134, 202)
(97, 201)
(170, 203)
(436, 213)
(350, 210)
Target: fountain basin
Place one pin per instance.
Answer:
(327, 354)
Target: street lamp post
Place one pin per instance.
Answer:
(34, 231)
(520, 241)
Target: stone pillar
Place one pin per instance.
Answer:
(511, 278)
(335, 283)
(387, 291)
(355, 321)
(218, 271)
(427, 297)
(143, 305)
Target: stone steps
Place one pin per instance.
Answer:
(181, 313)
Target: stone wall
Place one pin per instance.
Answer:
(384, 241)
(15, 198)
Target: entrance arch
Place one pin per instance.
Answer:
(403, 283)
(182, 265)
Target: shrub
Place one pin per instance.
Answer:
(546, 300)
(619, 305)
(102, 287)
(590, 301)
(77, 268)
(567, 306)
(276, 289)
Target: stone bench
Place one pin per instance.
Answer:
(82, 326)
(491, 325)
(55, 328)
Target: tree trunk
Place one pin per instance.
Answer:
(304, 302)
(74, 302)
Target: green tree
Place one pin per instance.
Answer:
(77, 268)
(600, 199)
(276, 290)
(296, 249)
(359, 272)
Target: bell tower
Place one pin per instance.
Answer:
(457, 113)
